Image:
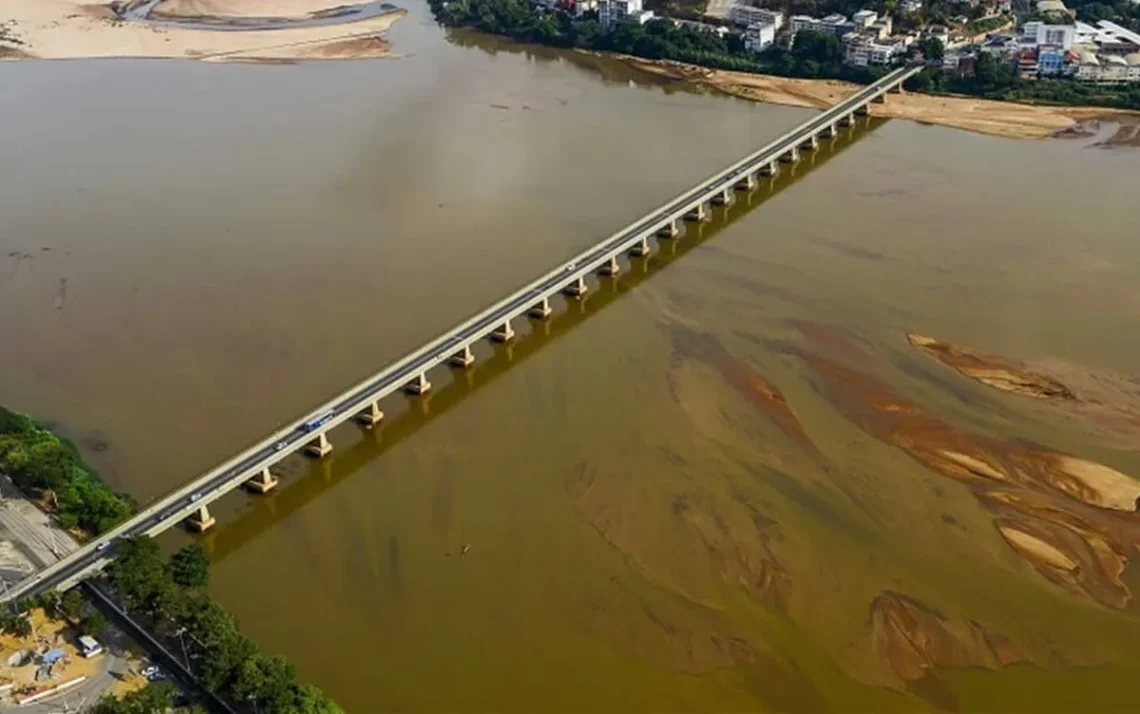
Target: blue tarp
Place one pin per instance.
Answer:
(52, 655)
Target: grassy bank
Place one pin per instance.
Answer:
(50, 468)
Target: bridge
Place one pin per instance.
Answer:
(361, 402)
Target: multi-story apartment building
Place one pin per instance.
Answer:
(614, 12)
(759, 36)
(1037, 33)
(746, 15)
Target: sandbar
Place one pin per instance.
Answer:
(1007, 119)
(69, 29)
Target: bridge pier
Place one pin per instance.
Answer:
(463, 358)
(863, 110)
(810, 144)
(577, 288)
(746, 182)
(722, 198)
(829, 131)
(541, 311)
(263, 482)
(669, 230)
(880, 98)
(791, 156)
(505, 333)
(371, 416)
(640, 250)
(896, 89)
(319, 447)
(771, 168)
(201, 521)
(847, 119)
(419, 385)
(610, 267)
(695, 214)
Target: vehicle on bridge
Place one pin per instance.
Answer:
(318, 421)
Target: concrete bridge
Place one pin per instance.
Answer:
(410, 374)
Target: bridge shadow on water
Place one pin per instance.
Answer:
(301, 484)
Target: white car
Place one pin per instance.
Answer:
(280, 445)
(195, 497)
(103, 546)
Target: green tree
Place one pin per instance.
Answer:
(307, 699)
(190, 566)
(218, 646)
(17, 625)
(71, 604)
(932, 50)
(268, 681)
(154, 698)
(138, 572)
(94, 624)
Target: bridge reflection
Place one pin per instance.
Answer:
(301, 484)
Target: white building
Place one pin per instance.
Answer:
(864, 19)
(882, 27)
(614, 12)
(759, 36)
(940, 33)
(1036, 33)
(1108, 69)
(911, 5)
(746, 15)
(834, 24)
(864, 51)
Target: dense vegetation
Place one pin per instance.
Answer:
(987, 24)
(999, 80)
(49, 467)
(172, 597)
(1122, 12)
(813, 55)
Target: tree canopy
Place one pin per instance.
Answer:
(155, 698)
(190, 566)
(224, 660)
(44, 464)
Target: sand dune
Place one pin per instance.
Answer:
(245, 8)
(65, 29)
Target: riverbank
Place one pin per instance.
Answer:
(1006, 119)
(71, 29)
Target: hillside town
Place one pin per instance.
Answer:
(1046, 41)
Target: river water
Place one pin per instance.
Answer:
(613, 513)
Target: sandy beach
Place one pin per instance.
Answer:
(1008, 119)
(69, 29)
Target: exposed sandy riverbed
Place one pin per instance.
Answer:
(66, 29)
(1021, 121)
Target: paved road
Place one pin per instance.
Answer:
(175, 507)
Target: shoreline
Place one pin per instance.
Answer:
(984, 116)
(72, 29)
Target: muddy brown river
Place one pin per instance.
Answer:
(726, 481)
